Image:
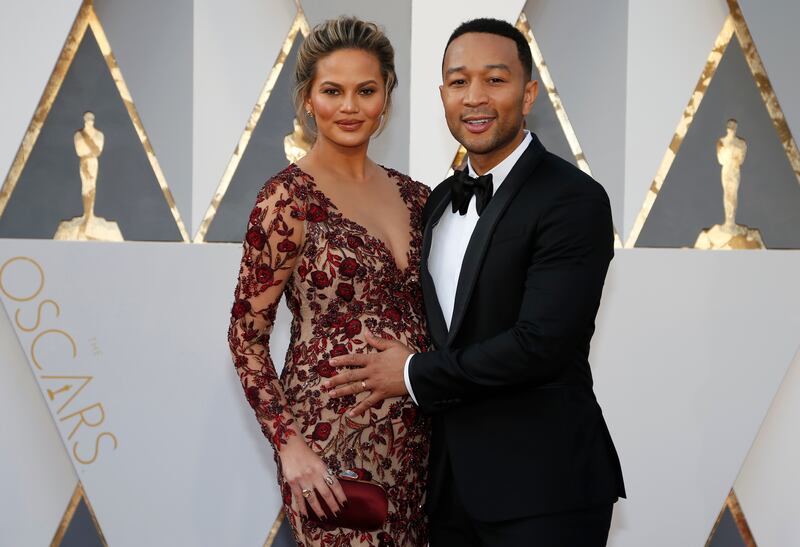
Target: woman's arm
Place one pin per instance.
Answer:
(272, 245)
(270, 250)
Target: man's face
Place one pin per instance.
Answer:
(486, 94)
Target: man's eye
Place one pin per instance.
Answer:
(496, 80)
(457, 82)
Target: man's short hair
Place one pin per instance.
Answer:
(499, 28)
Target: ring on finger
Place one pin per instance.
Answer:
(364, 385)
(328, 479)
(306, 492)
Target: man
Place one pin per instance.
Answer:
(513, 265)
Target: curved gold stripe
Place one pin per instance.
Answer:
(552, 93)
(298, 25)
(765, 87)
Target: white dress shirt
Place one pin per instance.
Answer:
(449, 242)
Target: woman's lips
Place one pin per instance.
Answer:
(478, 125)
(350, 125)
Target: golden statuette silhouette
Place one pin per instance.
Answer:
(731, 151)
(88, 227)
(295, 144)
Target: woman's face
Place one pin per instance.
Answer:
(347, 97)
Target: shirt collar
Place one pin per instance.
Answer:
(500, 171)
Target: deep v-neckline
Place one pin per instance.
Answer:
(398, 180)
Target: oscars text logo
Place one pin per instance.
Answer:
(54, 355)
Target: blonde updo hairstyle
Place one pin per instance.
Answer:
(334, 35)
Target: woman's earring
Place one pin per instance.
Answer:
(309, 114)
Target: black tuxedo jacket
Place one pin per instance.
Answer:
(509, 385)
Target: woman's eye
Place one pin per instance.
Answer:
(330, 91)
(367, 91)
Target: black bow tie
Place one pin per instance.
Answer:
(464, 187)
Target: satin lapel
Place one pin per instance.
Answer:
(482, 235)
(436, 322)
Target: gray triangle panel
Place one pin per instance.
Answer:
(81, 531)
(690, 199)
(49, 188)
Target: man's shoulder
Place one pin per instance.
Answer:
(563, 178)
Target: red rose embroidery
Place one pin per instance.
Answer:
(349, 267)
(352, 328)
(287, 246)
(392, 314)
(354, 242)
(252, 396)
(255, 215)
(409, 416)
(264, 274)
(322, 431)
(338, 349)
(240, 308)
(316, 213)
(256, 237)
(346, 291)
(325, 370)
(320, 279)
(287, 494)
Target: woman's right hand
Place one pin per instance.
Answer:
(305, 471)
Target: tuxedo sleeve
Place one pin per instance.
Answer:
(563, 285)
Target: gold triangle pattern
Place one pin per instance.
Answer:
(732, 505)
(86, 18)
(734, 25)
(77, 495)
(300, 24)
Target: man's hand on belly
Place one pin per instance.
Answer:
(380, 373)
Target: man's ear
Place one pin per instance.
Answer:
(441, 92)
(529, 96)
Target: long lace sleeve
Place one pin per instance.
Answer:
(271, 247)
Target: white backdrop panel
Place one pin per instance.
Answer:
(149, 322)
(35, 472)
(768, 483)
(690, 349)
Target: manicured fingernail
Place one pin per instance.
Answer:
(332, 393)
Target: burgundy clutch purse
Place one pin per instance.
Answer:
(366, 509)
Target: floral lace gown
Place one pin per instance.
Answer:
(339, 281)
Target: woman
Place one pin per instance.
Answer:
(339, 236)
